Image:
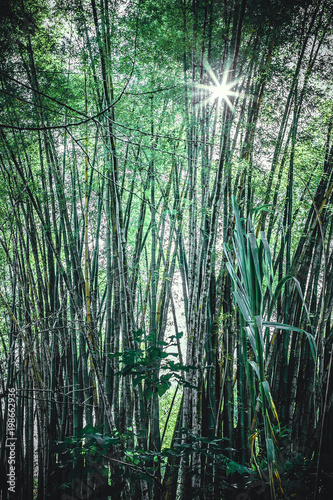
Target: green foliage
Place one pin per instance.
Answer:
(252, 278)
(141, 363)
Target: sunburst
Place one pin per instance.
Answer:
(220, 91)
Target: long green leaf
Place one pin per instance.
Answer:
(254, 251)
(255, 368)
(243, 305)
(277, 292)
(298, 286)
(270, 450)
(251, 337)
(268, 267)
(282, 326)
(268, 394)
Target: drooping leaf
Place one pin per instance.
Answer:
(255, 367)
(282, 326)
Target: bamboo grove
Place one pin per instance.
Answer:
(166, 238)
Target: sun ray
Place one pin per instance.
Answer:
(220, 91)
(209, 70)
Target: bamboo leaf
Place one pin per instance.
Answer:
(254, 251)
(310, 337)
(277, 292)
(267, 390)
(243, 306)
(298, 286)
(270, 450)
(259, 326)
(255, 368)
(251, 337)
(237, 282)
(268, 268)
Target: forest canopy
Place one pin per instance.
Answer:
(166, 249)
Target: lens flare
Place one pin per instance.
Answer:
(220, 91)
